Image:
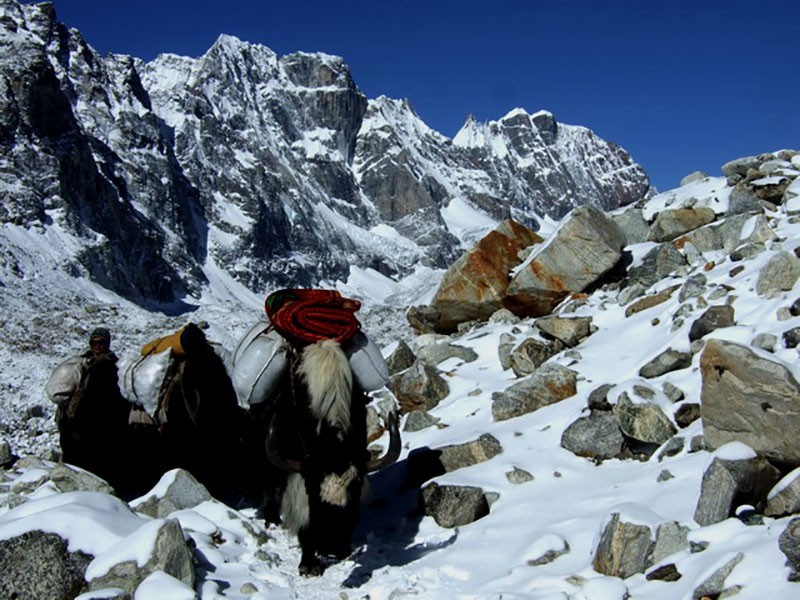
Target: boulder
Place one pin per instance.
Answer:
(672, 223)
(420, 387)
(400, 359)
(453, 505)
(169, 553)
(716, 317)
(596, 435)
(474, 286)
(623, 548)
(586, 246)
(749, 398)
(666, 362)
(177, 490)
(657, 264)
(779, 274)
(551, 383)
(736, 476)
(784, 498)
(426, 463)
(39, 565)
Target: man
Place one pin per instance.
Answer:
(100, 343)
(93, 416)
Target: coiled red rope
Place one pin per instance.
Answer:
(305, 316)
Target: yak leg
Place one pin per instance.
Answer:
(310, 563)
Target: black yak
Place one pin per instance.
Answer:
(317, 417)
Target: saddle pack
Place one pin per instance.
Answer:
(297, 318)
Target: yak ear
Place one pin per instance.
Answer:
(393, 453)
(287, 464)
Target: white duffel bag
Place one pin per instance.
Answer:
(366, 361)
(65, 380)
(260, 361)
(259, 364)
(140, 378)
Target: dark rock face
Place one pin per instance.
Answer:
(276, 169)
(38, 565)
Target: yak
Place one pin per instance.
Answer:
(318, 435)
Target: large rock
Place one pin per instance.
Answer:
(168, 552)
(38, 565)
(623, 548)
(748, 398)
(473, 288)
(671, 223)
(586, 246)
(736, 476)
(427, 463)
(453, 505)
(551, 383)
(177, 490)
(420, 387)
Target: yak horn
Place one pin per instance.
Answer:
(287, 464)
(376, 464)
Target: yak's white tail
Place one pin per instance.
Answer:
(326, 372)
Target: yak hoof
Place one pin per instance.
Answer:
(311, 568)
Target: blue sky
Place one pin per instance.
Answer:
(683, 86)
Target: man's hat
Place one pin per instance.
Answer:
(101, 333)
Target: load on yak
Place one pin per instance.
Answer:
(305, 376)
(181, 411)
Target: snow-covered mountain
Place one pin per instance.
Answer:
(275, 170)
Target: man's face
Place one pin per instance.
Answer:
(98, 345)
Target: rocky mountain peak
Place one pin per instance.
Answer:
(276, 170)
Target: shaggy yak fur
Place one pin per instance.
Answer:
(202, 425)
(320, 427)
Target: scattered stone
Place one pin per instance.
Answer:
(550, 384)
(666, 362)
(623, 548)
(519, 476)
(657, 264)
(6, 456)
(433, 354)
(643, 421)
(779, 274)
(426, 463)
(765, 341)
(743, 480)
(37, 565)
(177, 490)
(687, 414)
(671, 223)
(453, 505)
(531, 354)
(649, 302)
(671, 537)
(420, 387)
(791, 337)
(784, 498)
(714, 585)
(748, 398)
(595, 436)
(668, 572)
(598, 397)
(419, 420)
(714, 318)
(170, 554)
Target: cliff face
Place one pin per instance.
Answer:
(276, 170)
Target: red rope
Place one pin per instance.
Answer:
(305, 316)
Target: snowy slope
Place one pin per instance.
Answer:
(565, 505)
